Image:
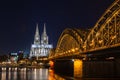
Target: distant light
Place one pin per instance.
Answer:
(15, 54)
(110, 58)
(73, 60)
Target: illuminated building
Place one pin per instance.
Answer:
(41, 47)
(13, 57)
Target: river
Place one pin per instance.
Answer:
(28, 74)
(38, 74)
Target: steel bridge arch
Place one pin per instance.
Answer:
(106, 31)
(73, 40)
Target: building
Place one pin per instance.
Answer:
(41, 46)
(13, 57)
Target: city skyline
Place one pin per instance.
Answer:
(18, 20)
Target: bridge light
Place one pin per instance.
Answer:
(84, 46)
(100, 41)
(69, 51)
(113, 37)
(76, 48)
(51, 63)
(73, 50)
(110, 58)
(97, 34)
(91, 44)
(92, 40)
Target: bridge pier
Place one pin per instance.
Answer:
(64, 67)
(117, 67)
(96, 68)
(79, 68)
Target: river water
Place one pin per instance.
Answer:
(37, 74)
(28, 74)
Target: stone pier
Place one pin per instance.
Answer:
(98, 69)
(64, 67)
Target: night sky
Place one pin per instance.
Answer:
(18, 20)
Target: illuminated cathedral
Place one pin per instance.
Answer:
(41, 47)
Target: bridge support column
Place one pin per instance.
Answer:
(117, 67)
(64, 67)
(78, 68)
(99, 69)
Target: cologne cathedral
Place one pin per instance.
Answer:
(41, 47)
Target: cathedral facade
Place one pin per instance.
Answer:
(41, 46)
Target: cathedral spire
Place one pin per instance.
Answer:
(37, 36)
(37, 30)
(44, 31)
(44, 37)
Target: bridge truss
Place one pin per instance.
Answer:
(105, 34)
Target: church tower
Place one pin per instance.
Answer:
(44, 37)
(40, 48)
(35, 48)
(37, 37)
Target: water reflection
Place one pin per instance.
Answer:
(28, 74)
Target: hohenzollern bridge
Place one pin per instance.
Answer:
(98, 47)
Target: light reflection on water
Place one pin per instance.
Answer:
(28, 74)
